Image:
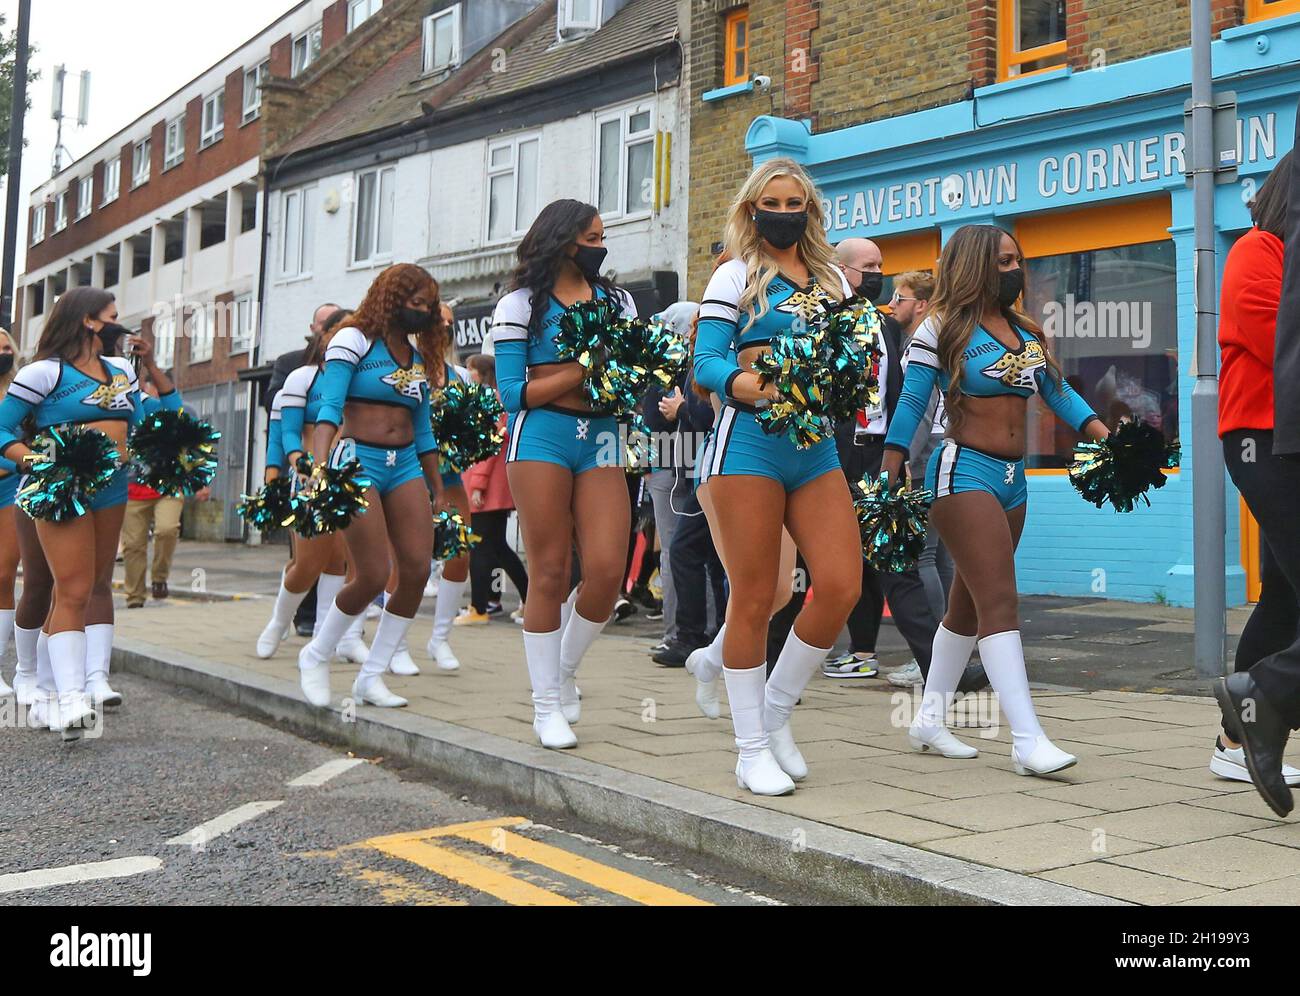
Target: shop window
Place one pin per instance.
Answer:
(1262, 10)
(736, 46)
(1110, 315)
(1031, 36)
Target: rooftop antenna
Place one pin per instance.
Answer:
(56, 111)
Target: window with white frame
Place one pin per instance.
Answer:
(38, 223)
(253, 80)
(296, 231)
(214, 119)
(578, 15)
(372, 230)
(112, 180)
(61, 212)
(141, 154)
(442, 40)
(200, 322)
(360, 11)
(625, 143)
(242, 318)
(85, 194)
(164, 340)
(174, 143)
(306, 49)
(512, 166)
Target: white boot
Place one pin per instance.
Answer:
(286, 604)
(1004, 662)
(369, 686)
(579, 635)
(6, 630)
(68, 661)
(566, 608)
(542, 652)
(756, 768)
(47, 690)
(705, 663)
(353, 645)
(795, 667)
(313, 659)
(402, 663)
(25, 676)
(929, 729)
(444, 614)
(99, 656)
(327, 588)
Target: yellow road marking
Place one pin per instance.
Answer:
(603, 877)
(468, 872)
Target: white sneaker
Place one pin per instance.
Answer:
(786, 751)
(706, 692)
(373, 690)
(25, 689)
(907, 676)
(937, 738)
(440, 652)
(1044, 759)
(570, 699)
(1230, 763)
(553, 731)
(98, 690)
(314, 679)
(269, 642)
(518, 615)
(762, 775)
(402, 664)
(352, 649)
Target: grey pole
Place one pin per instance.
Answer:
(13, 192)
(1209, 515)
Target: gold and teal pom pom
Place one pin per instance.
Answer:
(334, 497)
(1124, 466)
(269, 507)
(452, 538)
(581, 332)
(639, 452)
(72, 464)
(825, 369)
(174, 452)
(893, 524)
(465, 421)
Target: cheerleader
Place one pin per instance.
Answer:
(75, 379)
(988, 358)
(9, 534)
(318, 560)
(374, 396)
(565, 461)
(782, 271)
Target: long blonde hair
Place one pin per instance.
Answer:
(743, 241)
(967, 280)
(8, 378)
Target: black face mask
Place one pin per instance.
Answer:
(6, 363)
(871, 286)
(109, 336)
(589, 260)
(781, 229)
(413, 320)
(1011, 284)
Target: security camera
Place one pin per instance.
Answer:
(762, 83)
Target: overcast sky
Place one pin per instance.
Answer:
(138, 52)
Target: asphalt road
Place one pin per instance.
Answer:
(157, 801)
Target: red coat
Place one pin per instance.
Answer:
(1252, 288)
(489, 476)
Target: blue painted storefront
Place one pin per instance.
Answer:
(1067, 140)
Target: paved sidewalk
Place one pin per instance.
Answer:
(1140, 818)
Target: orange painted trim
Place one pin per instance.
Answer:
(1010, 59)
(731, 49)
(1062, 471)
(1249, 551)
(1261, 10)
(911, 251)
(1123, 223)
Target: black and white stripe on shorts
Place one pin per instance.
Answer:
(722, 439)
(515, 436)
(947, 467)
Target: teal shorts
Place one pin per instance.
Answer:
(740, 446)
(387, 469)
(955, 467)
(576, 440)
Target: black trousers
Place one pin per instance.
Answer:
(1272, 649)
(491, 555)
(696, 568)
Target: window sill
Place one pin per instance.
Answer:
(168, 167)
(626, 219)
(248, 121)
(291, 278)
(208, 145)
(369, 264)
(722, 93)
(1024, 80)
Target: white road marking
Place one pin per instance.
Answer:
(328, 770)
(71, 874)
(224, 823)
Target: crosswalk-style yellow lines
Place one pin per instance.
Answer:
(502, 866)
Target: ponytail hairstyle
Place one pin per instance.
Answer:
(542, 253)
(965, 287)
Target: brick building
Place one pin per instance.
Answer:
(167, 214)
(1059, 120)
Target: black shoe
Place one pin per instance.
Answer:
(1251, 720)
(641, 595)
(622, 609)
(493, 609)
(674, 655)
(655, 615)
(973, 679)
(303, 628)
